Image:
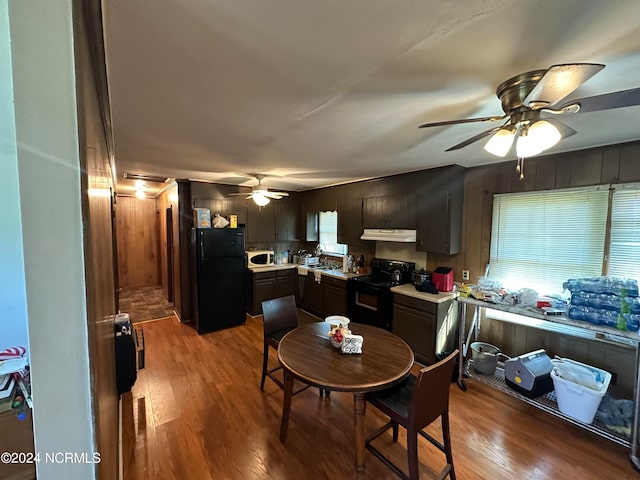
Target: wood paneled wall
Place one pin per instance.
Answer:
(137, 229)
(97, 207)
(612, 164)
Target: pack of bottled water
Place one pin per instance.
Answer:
(610, 301)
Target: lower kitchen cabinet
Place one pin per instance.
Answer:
(335, 296)
(267, 285)
(429, 328)
(286, 282)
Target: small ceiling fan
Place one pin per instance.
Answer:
(260, 194)
(529, 102)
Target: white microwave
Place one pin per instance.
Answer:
(260, 258)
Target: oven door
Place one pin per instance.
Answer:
(369, 304)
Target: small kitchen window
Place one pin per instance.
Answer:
(328, 226)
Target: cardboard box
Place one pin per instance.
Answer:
(201, 218)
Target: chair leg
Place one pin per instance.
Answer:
(446, 440)
(412, 454)
(265, 359)
(395, 433)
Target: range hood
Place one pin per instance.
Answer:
(389, 235)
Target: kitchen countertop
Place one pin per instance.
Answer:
(273, 268)
(409, 290)
(335, 273)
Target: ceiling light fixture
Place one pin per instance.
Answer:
(532, 136)
(260, 199)
(140, 194)
(500, 143)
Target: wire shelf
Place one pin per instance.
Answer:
(545, 402)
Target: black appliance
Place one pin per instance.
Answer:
(129, 343)
(369, 298)
(219, 283)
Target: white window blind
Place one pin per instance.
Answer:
(541, 239)
(328, 225)
(624, 250)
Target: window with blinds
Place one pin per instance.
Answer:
(328, 237)
(624, 249)
(540, 239)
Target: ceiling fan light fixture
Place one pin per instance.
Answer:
(537, 138)
(259, 199)
(545, 134)
(500, 143)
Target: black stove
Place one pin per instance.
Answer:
(387, 273)
(369, 296)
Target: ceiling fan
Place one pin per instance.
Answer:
(261, 195)
(529, 102)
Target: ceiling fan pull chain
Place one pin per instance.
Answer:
(520, 167)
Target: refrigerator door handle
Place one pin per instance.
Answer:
(202, 250)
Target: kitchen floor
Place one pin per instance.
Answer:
(199, 413)
(146, 303)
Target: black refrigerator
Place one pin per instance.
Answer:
(219, 270)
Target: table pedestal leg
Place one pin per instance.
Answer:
(286, 405)
(359, 408)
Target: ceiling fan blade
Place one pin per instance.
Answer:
(238, 194)
(473, 139)
(607, 101)
(560, 81)
(565, 130)
(464, 120)
(276, 195)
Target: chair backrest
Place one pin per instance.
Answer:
(430, 397)
(279, 314)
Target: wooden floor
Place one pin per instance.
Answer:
(197, 412)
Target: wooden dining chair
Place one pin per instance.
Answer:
(280, 316)
(415, 404)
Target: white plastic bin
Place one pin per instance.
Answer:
(578, 401)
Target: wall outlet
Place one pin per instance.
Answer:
(465, 274)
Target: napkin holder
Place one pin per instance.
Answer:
(352, 344)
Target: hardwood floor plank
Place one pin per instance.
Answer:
(197, 412)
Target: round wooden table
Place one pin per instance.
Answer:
(307, 354)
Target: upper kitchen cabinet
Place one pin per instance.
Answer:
(349, 220)
(261, 224)
(307, 224)
(390, 211)
(440, 202)
(286, 220)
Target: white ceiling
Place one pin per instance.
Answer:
(314, 93)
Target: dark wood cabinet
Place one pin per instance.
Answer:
(439, 226)
(429, 328)
(315, 297)
(286, 282)
(334, 296)
(267, 285)
(264, 288)
(390, 211)
(286, 221)
(307, 224)
(261, 223)
(349, 220)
